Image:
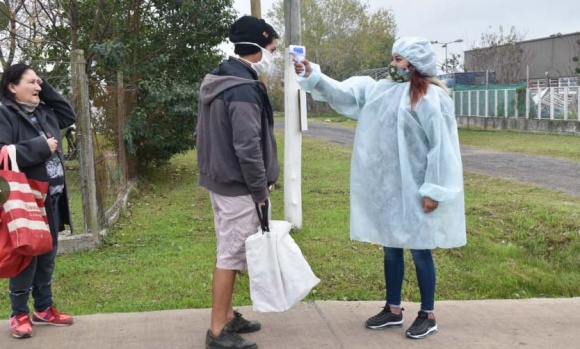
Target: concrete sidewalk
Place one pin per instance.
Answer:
(530, 323)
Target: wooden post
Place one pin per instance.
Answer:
(86, 159)
(293, 135)
(256, 8)
(121, 117)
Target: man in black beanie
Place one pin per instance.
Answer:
(237, 163)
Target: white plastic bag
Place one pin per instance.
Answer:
(279, 274)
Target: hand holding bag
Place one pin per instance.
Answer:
(279, 274)
(24, 214)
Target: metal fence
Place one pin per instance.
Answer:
(555, 103)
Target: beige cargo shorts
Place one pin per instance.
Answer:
(235, 219)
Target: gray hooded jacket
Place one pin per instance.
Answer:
(235, 133)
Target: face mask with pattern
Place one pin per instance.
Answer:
(399, 74)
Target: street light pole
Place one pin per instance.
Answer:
(445, 44)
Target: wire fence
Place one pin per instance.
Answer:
(106, 120)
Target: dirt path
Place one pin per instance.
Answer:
(546, 172)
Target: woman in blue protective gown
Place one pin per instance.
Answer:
(406, 174)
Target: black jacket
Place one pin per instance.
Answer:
(53, 113)
(235, 133)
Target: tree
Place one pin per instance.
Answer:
(342, 36)
(453, 64)
(500, 52)
(18, 33)
(164, 48)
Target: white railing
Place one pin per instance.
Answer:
(555, 103)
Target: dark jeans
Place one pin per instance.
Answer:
(36, 277)
(395, 271)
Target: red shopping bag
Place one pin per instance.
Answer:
(24, 214)
(11, 262)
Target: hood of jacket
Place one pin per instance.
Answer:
(230, 73)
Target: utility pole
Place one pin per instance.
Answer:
(293, 129)
(256, 8)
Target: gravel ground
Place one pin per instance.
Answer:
(545, 172)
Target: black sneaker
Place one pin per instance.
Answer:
(422, 327)
(384, 319)
(241, 325)
(228, 339)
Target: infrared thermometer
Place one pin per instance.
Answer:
(299, 53)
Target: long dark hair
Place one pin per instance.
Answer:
(12, 75)
(419, 86)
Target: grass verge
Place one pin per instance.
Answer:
(522, 242)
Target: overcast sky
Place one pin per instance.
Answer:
(448, 20)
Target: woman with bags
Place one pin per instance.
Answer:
(406, 174)
(31, 117)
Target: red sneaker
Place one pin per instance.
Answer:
(51, 316)
(21, 326)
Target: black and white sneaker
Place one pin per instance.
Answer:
(422, 327)
(385, 319)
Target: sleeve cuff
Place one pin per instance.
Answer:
(261, 196)
(438, 193)
(308, 84)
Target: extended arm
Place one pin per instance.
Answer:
(347, 97)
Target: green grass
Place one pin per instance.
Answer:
(522, 242)
(558, 146)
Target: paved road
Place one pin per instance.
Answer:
(546, 172)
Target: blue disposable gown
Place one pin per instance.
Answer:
(399, 156)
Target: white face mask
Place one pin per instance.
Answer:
(265, 65)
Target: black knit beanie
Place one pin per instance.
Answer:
(251, 29)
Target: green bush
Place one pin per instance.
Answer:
(164, 123)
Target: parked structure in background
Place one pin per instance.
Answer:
(549, 60)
